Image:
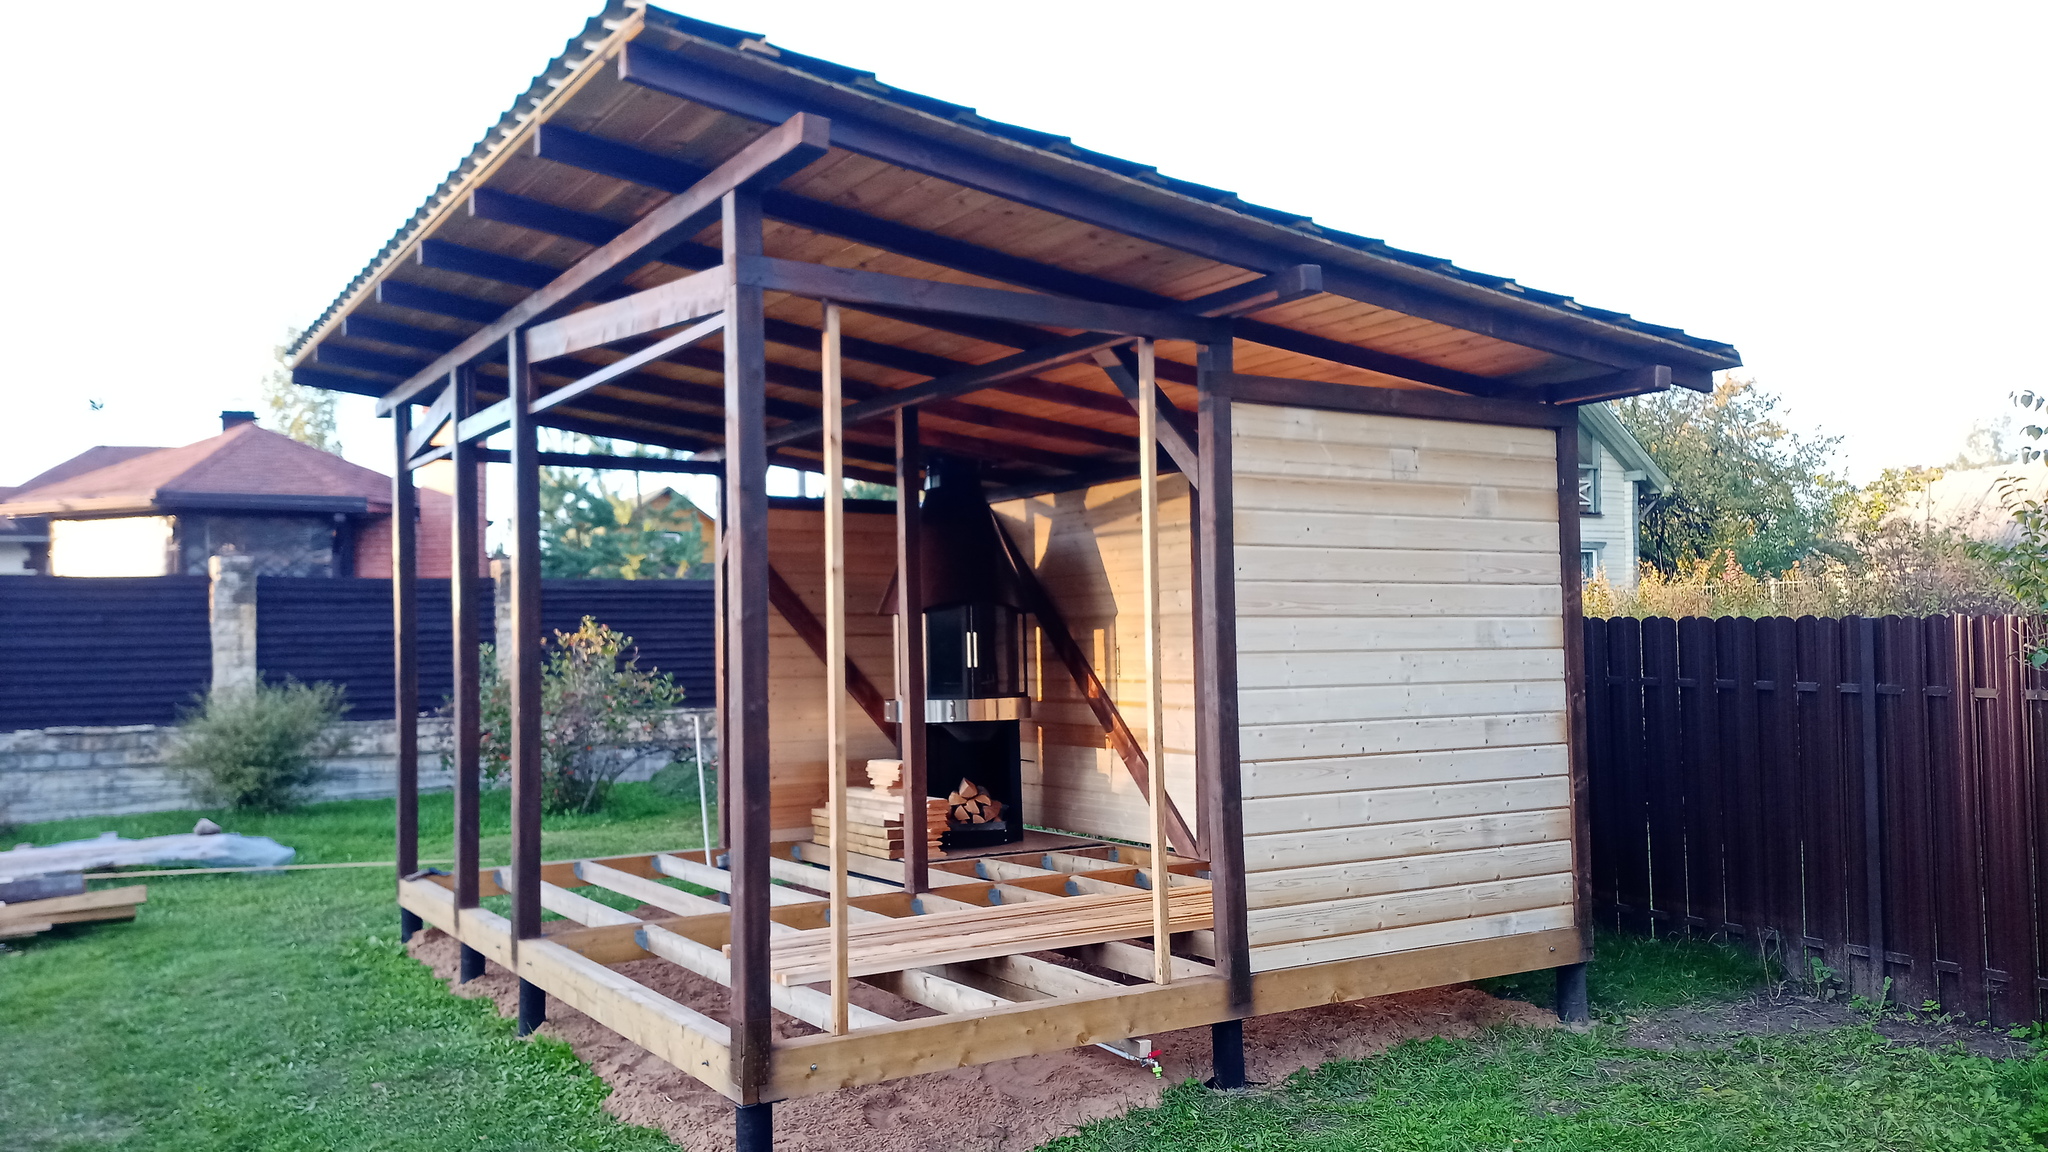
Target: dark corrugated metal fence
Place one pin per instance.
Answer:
(315, 628)
(340, 631)
(101, 652)
(671, 623)
(97, 652)
(1865, 794)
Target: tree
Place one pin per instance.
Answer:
(587, 529)
(1741, 481)
(304, 414)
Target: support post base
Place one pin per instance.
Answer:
(533, 1007)
(1572, 1007)
(753, 1127)
(1226, 1040)
(469, 965)
(409, 923)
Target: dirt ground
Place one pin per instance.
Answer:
(1018, 1104)
(1780, 1010)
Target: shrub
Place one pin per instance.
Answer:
(1944, 575)
(599, 714)
(260, 747)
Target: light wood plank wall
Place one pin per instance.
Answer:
(1401, 683)
(796, 677)
(1083, 545)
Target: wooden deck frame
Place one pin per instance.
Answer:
(1069, 1008)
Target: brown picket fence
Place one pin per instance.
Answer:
(1862, 798)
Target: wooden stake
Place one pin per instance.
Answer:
(1155, 702)
(835, 655)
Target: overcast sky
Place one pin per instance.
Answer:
(1850, 193)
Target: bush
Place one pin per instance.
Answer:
(599, 714)
(259, 748)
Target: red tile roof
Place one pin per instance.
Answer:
(246, 468)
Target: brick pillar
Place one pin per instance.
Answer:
(231, 607)
(501, 604)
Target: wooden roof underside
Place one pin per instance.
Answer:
(560, 178)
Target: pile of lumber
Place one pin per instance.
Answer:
(968, 804)
(875, 816)
(34, 904)
(977, 934)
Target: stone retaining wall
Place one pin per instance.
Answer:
(61, 773)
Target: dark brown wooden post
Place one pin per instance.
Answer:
(1222, 819)
(405, 671)
(464, 618)
(910, 736)
(524, 669)
(745, 755)
(1871, 794)
(1571, 978)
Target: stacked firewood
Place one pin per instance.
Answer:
(875, 816)
(968, 804)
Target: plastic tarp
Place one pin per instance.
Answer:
(222, 850)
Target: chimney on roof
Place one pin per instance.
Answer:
(236, 419)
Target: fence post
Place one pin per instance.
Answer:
(501, 606)
(231, 609)
(1873, 806)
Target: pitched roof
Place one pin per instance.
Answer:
(91, 460)
(244, 469)
(1603, 425)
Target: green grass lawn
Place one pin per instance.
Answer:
(1531, 1090)
(278, 1012)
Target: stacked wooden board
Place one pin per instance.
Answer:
(875, 816)
(977, 934)
(40, 912)
(875, 822)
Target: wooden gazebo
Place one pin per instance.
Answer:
(1289, 519)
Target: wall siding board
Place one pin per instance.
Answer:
(1401, 683)
(1084, 548)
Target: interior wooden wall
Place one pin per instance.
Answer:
(1083, 545)
(1402, 687)
(796, 677)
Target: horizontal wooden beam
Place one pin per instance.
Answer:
(399, 294)
(677, 302)
(626, 163)
(329, 355)
(853, 286)
(612, 463)
(1281, 287)
(1613, 386)
(1062, 351)
(629, 364)
(796, 142)
(1292, 393)
(403, 335)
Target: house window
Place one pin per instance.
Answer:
(1589, 562)
(1589, 489)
